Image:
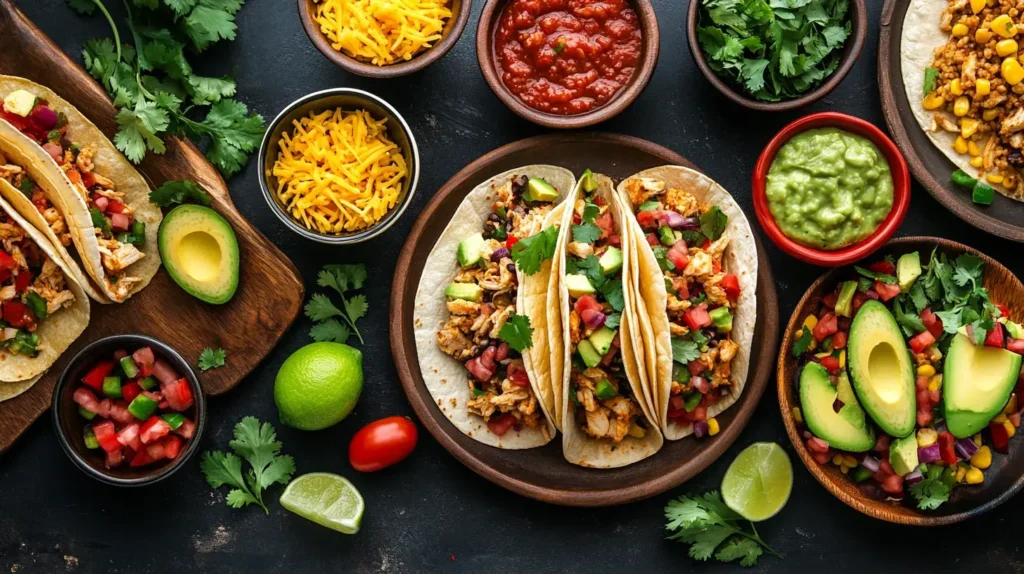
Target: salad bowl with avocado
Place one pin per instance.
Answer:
(900, 382)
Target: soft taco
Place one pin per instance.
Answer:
(607, 420)
(85, 197)
(480, 320)
(695, 269)
(43, 308)
(965, 86)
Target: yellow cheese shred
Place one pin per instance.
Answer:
(338, 171)
(382, 32)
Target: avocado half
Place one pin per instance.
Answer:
(976, 383)
(847, 429)
(881, 369)
(200, 252)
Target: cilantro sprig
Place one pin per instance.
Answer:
(517, 332)
(258, 445)
(530, 253)
(712, 529)
(320, 308)
(211, 358)
(934, 489)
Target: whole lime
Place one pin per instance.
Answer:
(319, 385)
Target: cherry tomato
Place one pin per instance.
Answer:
(382, 443)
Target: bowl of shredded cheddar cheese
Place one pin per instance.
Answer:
(339, 166)
(383, 38)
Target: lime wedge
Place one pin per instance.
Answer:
(327, 499)
(758, 482)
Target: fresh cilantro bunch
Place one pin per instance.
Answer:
(155, 89)
(211, 358)
(713, 529)
(773, 49)
(341, 278)
(258, 445)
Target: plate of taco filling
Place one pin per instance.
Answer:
(82, 194)
(695, 271)
(480, 319)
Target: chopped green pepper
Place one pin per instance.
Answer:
(860, 474)
(982, 194)
(112, 387)
(692, 401)
(961, 178)
(90, 438)
(87, 415)
(129, 367)
(148, 384)
(605, 390)
(176, 419)
(37, 304)
(142, 407)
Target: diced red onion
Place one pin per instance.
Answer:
(43, 117)
(700, 429)
(928, 454)
(499, 253)
(701, 384)
(807, 435)
(671, 219)
(101, 203)
(502, 353)
(871, 463)
(940, 427)
(120, 222)
(164, 372)
(914, 477)
(487, 358)
(966, 448)
(593, 318)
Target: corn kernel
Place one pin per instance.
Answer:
(636, 431)
(849, 460)
(973, 149)
(844, 469)
(977, 439)
(1006, 47)
(713, 427)
(983, 458)
(925, 371)
(960, 145)
(837, 460)
(960, 29)
(1003, 26)
(810, 322)
(1000, 418)
(1013, 73)
(935, 383)
(1010, 429)
(989, 115)
(977, 5)
(991, 3)
(975, 476)
(961, 473)
(968, 127)
(797, 416)
(961, 106)
(842, 359)
(982, 87)
(1011, 405)
(955, 88)
(977, 161)
(994, 178)
(982, 36)
(926, 437)
(934, 101)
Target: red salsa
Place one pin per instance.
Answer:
(567, 56)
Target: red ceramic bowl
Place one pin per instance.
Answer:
(868, 245)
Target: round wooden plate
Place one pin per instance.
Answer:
(1002, 480)
(1005, 217)
(543, 473)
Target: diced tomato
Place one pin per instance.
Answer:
(501, 424)
(87, 400)
(179, 393)
(828, 324)
(587, 302)
(839, 340)
(648, 219)
(22, 281)
(697, 317)
(994, 338)
(94, 378)
(886, 291)
(678, 255)
(653, 240)
(882, 443)
(696, 367)
(120, 222)
(932, 322)
(893, 484)
(172, 446)
(115, 206)
(18, 315)
(883, 267)
(186, 430)
(7, 262)
(829, 300)
(141, 458)
(156, 451)
(120, 354)
(517, 374)
(1000, 437)
(89, 180)
(1003, 309)
(25, 126)
(816, 444)
(604, 221)
(731, 284)
(925, 418)
(55, 151)
(831, 364)
(114, 458)
(118, 410)
(947, 447)
(106, 436)
(1015, 345)
(131, 390)
(476, 368)
(934, 396)
(885, 467)
(821, 457)
(682, 288)
(153, 429)
(510, 241)
(129, 437)
(921, 341)
(858, 300)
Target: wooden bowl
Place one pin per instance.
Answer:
(449, 36)
(1002, 480)
(851, 51)
(543, 473)
(489, 66)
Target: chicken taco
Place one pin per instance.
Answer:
(85, 197)
(607, 420)
(42, 308)
(480, 320)
(695, 270)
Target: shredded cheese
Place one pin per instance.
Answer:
(338, 171)
(382, 32)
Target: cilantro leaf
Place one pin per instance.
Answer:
(931, 80)
(930, 493)
(612, 291)
(612, 320)
(684, 351)
(585, 233)
(712, 223)
(649, 205)
(883, 277)
(801, 345)
(211, 358)
(660, 253)
(590, 212)
(330, 330)
(320, 308)
(356, 307)
(138, 129)
(83, 7)
(589, 266)
(745, 550)
(918, 296)
(530, 253)
(517, 332)
(179, 191)
(210, 21)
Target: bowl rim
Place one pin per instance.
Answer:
(851, 53)
(157, 475)
(897, 168)
(651, 46)
(389, 218)
(350, 64)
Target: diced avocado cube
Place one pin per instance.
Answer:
(844, 304)
(465, 291)
(470, 250)
(590, 356)
(604, 390)
(721, 318)
(668, 236)
(588, 181)
(611, 260)
(908, 269)
(903, 455)
(1015, 329)
(601, 339)
(539, 190)
(578, 285)
(20, 102)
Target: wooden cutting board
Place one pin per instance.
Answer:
(270, 291)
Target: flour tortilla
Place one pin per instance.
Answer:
(108, 162)
(921, 36)
(445, 377)
(577, 446)
(19, 372)
(648, 282)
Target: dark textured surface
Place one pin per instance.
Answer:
(430, 513)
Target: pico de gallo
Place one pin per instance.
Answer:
(138, 410)
(945, 360)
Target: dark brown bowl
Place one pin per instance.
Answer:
(489, 66)
(68, 424)
(1002, 480)
(449, 36)
(851, 51)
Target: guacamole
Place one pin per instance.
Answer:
(829, 188)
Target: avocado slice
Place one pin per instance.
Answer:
(721, 318)
(538, 189)
(908, 269)
(1014, 329)
(844, 304)
(976, 383)
(610, 260)
(601, 339)
(578, 285)
(588, 182)
(845, 391)
(605, 390)
(465, 291)
(20, 102)
(470, 250)
(881, 370)
(590, 356)
(846, 430)
(200, 252)
(668, 236)
(903, 455)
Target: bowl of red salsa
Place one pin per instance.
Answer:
(128, 410)
(567, 63)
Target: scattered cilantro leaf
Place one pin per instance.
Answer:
(612, 320)
(83, 7)
(585, 233)
(930, 493)
(179, 191)
(258, 445)
(320, 308)
(649, 205)
(612, 291)
(712, 223)
(211, 358)
(530, 253)
(589, 266)
(883, 277)
(801, 345)
(660, 253)
(712, 529)
(684, 351)
(517, 332)
(590, 212)
(931, 80)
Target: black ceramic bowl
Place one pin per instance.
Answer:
(69, 424)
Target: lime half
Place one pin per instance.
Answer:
(758, 482)
(327, 499)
